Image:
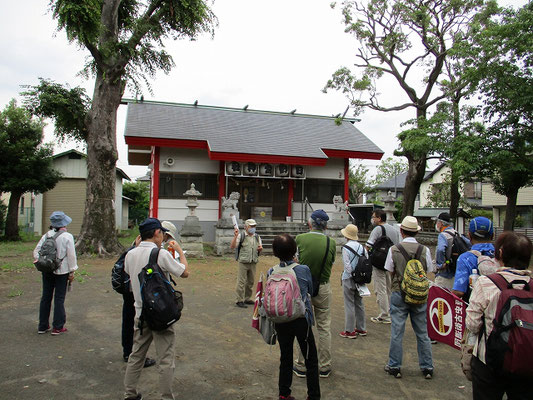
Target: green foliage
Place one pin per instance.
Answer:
(15, 292)
(68, 107)
(500, 63)
(139, 192)
(389, 168)
(359, 183)
(480, 212)
(27, 164)
(130, 38)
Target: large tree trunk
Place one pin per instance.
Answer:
(12, 222)
(510, 210)
(454, 187)
(415, 174)
(98, 230)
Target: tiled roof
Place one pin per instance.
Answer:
(399, 183)
(230, 130)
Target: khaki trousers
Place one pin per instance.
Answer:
(164, 342)
(245, 282)
(322, 311)
(382, 288)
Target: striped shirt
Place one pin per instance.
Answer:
(484, 301)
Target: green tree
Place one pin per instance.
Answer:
(359, 183)
(409, 41)
(139, 193)
(125, 42)
(500, 64)
(26, 162)
(389, 168)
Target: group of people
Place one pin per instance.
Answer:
(311, 255)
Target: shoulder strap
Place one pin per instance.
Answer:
(57, 234)
(419, 252)
(404, 252)
(383, 231)
(325, 257)
(154, 254)
(350, 249)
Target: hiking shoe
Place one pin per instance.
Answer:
(428, 373)
(379, 320)
(56, 332)
(40, 331)
(149, 362)
(360, 332)
(298, 373)
(138, 397)
(289, 397)
(393, 371)
(324, 374)
(348, 335)
(241, 304)
(249, 302)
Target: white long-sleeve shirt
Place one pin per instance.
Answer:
(65, 251)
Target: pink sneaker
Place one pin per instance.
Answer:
(360, 332)
(56, 332)
(348, 335)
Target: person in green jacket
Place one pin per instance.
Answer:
(317, 251)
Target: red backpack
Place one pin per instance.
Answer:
(510, 344)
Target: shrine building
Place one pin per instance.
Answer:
(281, 164)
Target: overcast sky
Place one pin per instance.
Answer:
(273, 55)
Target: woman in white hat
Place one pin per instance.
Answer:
(354, 309)
(57, 280)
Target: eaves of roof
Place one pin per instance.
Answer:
(246, 135)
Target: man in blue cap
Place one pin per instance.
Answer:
(152, 235)
(317, 251)
(480, 233)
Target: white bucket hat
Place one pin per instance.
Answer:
(171, 229)
(410, 224)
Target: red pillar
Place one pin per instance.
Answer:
(154, 192)
(221, 187)
(347, 179)
(290, 197)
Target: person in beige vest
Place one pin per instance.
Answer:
(249, 246)
(400, 310)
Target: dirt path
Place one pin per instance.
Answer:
(219, 356)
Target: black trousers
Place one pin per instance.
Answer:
(489, 385)
(51, 283)
(286, 333)
(128, 322)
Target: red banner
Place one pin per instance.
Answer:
(258, 297)
(446, 315)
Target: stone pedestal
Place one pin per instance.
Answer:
(390, 209)
(224, 235)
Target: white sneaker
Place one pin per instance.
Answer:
(379, 320)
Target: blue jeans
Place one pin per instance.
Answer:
(399, 311)
(58, 283)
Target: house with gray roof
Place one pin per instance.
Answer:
(274, 160)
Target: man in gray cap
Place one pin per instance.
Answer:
(249, 246)
(317, 251)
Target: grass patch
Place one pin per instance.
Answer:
(127, 237)
(14, 292)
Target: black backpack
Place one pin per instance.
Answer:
(162, 304)
(380, 249)
(459, 246)
(120, 280)
(362, 273)
(48, 260)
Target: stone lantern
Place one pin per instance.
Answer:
(191, 232)
(390, 208)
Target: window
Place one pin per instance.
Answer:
(318, 190)
(172, 186)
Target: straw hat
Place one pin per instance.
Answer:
(410, 224)
(350, 232)
(171, 229)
